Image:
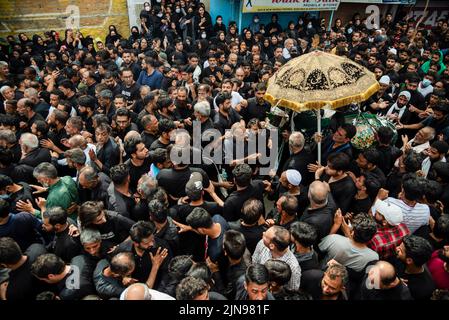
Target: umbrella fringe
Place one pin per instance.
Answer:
(334, 104)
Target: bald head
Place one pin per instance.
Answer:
(383, 275)
(318, 193)
(78, 141)
(137, 291)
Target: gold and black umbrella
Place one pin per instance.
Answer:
(320, 80)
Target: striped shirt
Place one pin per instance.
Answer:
(262, 254)
(414, 217)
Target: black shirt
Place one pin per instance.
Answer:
(234, 203)
(255, 110)
(57, 136)
(22, 284)
(115, 229)
(389, 155)
(400, 292)
(222, 122)
(23, 194)
(421, 285)
(158, 144)
(136, 172)
(175, 180)
(322, 218)
(252, 234)
(311, 283)
(65, 246)
(143, 263)
(24, 228)
(148, 139)
(190, 242)
(299, 161)
(360, 205)
(215, 246)
(343, 191)
(37, 156)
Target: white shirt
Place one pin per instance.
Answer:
(236, 98)
(414, 217)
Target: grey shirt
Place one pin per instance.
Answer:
(343, 251)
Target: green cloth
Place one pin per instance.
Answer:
(426, 66)
(62, 194)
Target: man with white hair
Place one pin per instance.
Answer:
(41, 107)
(299, 157)
(140, 291)
(4, 71)
(7, 92)
(26, 110)
(8, 140)
(78, 141)
(201, 111)
(32, 154)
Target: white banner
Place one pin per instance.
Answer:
(289, 5)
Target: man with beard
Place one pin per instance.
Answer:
(105, 104)
(416, 101)
(340, 141)
(149, 75)
(399, 111)
(435, 153)
(86, 110)
(68, 89)
(166, 128)
(390, 228)
(25, 108)
(111, 82)
(130, 88)
(149, 106)
(121, 198)
(257, 106)
(146, 249)
(183, 106)
(138, 163)
(414, 252)
(124, 124)
(57, 135)
(226, 115)
(379, 103)
(167, 110)
(94, 183)
(390, 68)
(327, 285)
(150, 130)
(128, 63)
(108, 152)
(341, 185)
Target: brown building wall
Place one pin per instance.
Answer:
(38, 16)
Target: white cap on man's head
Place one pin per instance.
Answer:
(293, 177)
(391, 212)
(385, 80)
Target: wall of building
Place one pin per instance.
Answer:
(38, 16)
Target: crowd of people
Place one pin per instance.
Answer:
(95, 202)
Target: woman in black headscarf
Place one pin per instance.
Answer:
(113, 35)
(135, 36)
(38, 45)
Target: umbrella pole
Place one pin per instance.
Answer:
(318, 119)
